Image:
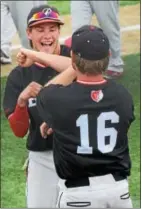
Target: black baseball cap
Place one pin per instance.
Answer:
(42, 14)
(90, 42)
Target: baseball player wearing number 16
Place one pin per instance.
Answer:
(90, 119)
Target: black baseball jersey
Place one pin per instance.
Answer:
(90, 124)
(17, 81)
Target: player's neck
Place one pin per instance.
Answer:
(86, 78)
(57, 49)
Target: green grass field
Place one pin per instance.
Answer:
(64, 6)
(14, 152)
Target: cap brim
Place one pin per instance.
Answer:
(45, 21)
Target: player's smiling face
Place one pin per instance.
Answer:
(44, 37)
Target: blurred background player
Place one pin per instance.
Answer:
(107, 14)
(13, 18)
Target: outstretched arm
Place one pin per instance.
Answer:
(27, 57)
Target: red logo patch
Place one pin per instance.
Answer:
(97, 96)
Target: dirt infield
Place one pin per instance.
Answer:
(129, 15)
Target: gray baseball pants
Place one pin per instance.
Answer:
(42, 181)
(107, 15)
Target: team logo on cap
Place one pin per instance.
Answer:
(47, 11)
(97, 96)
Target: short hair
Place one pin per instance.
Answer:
(90, 67)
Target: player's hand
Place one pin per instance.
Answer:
(45, 130)
(26, 57)
(30, 91)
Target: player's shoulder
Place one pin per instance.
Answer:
(15, 72)
(119, 90)
(20, 75)
(22, 71)
(57, 91)
(65, 50)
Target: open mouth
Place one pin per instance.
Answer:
(47, 44)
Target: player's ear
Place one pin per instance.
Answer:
(29, 34)
(73, 60)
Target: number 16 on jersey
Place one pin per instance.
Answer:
(102, 132)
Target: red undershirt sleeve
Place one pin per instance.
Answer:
(19, 121)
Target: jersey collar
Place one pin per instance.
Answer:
(92, 82)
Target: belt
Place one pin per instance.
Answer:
(80, 182)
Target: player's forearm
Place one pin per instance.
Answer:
(64, 78)
(57, 62)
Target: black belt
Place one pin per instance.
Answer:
(80, 182)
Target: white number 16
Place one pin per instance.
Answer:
(102, 132)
